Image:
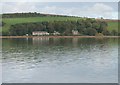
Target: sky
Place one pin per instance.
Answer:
(108, 10)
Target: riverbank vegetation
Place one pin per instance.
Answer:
(25, 23)
(84, 27)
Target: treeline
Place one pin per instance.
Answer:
(30, 14)
(84, 26)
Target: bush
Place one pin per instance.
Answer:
(106, 32)
(99, 34)
(114, 33)
(91, 31)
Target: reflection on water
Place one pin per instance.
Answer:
(42, 60)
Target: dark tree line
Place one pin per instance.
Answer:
(30, 14)
(84, 27)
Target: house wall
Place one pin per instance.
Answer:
(40, 33)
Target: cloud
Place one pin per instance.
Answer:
(18, 7)
(49, 9)
(100, 9)
(95, 10)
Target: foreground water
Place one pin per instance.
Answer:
(60, 60)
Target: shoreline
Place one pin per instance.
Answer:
(2, 37)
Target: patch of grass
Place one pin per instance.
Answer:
(113, 26)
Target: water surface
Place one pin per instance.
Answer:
(60, 60)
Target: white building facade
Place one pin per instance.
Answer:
(56, 33)
(38, 33)
(75, 32)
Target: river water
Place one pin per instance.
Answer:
(60, 60)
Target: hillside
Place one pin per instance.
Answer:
(12, 19)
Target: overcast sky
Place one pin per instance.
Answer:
(83, 9)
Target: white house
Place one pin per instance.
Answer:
(75, 32)
(40, 33)
(56, 33)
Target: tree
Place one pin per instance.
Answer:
(103, 26)
(91, 32)
(50, 27)
(106, 32)
(96, 25)
(114, 33)
(84, 27)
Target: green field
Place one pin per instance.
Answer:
(113, 25)
(12, 21)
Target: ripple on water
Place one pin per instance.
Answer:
(76, 61)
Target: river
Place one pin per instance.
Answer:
(60, 60)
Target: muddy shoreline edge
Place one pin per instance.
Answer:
(2, 37)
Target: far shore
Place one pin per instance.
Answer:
(59, 37)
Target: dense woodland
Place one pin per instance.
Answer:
(84, 27)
